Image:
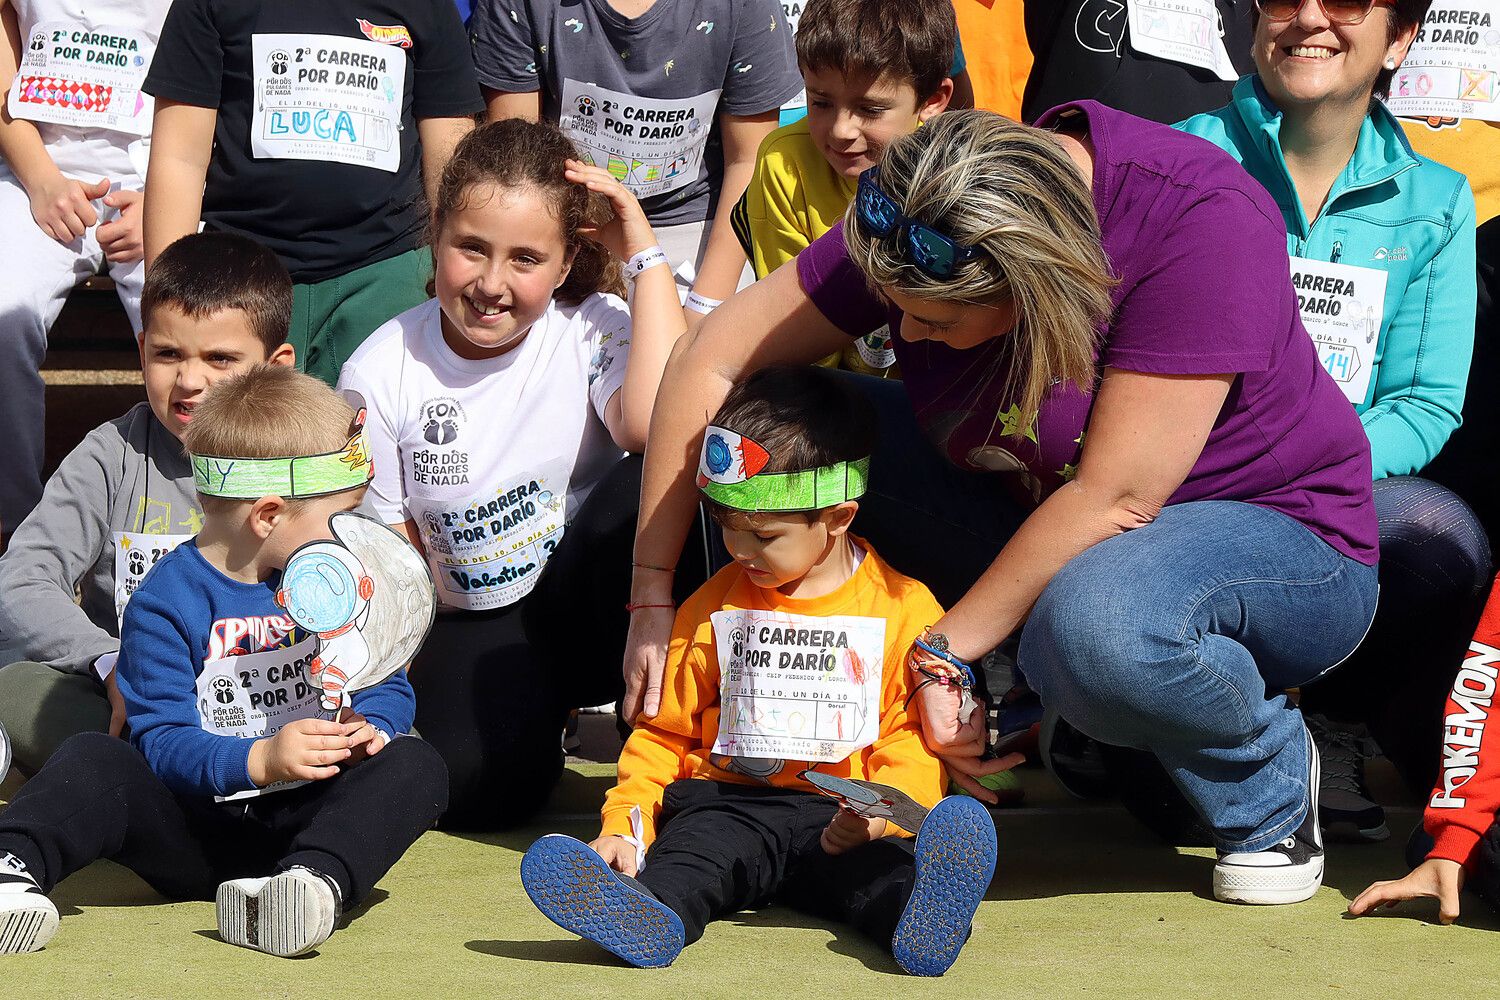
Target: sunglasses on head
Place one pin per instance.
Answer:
(926, 249)
(1337, 11)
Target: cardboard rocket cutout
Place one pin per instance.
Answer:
(368, 598)
(870, 799)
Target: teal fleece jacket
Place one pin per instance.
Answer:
(1393, 210)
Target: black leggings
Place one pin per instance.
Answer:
(97, 798)
(494, 687)
(1434, 573)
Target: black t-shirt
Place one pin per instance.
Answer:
(1083, 52)
(319, 157)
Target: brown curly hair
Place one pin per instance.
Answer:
(515, 153)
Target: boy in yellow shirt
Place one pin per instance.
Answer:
(789, 660)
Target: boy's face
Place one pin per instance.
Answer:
(852, 119)
(775, 550)
(181, 357)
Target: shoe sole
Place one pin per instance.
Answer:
(1276, 886)
(577, 890)
(955, 859)
(282, 916)
(1354, 833)
(27, 927)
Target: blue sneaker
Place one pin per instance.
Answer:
(578, 891)
(955, 856)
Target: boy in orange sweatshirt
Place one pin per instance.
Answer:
(790, 659)
(1462, 821)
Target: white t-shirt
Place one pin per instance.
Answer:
(490, 459)
(83, 63)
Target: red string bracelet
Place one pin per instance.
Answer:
(633, 608)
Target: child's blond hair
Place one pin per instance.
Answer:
(268, 411)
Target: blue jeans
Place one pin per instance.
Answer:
(1182, 637)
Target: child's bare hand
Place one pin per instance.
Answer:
(847, 831)
(628, 231)
(63, 208)
(122, 239)
(1435, 878)
(365, 741)
(617, 852)
(305, 750)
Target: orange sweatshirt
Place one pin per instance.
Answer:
(1467, 796)
(676, 744)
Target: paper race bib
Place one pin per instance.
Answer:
(796, 108)
(1453, 67)
(86, 77)
(255, 695)
(135, 554)
(1182, 31)
(875, 349)
(651, 146)
(796, 687)
(487, 551)
(324, 97)
(1342, 308)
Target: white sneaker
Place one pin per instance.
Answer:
(284, 915)
(1286, 872)
(27, 917)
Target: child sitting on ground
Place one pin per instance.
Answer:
(1462, 822)
(232, 769)
(789, 660)
(214, 305)
(875, 70)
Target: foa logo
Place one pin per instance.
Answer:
(395, 34)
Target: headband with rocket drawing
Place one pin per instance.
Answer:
(294, 477)
(730, 473)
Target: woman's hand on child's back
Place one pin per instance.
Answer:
(305, 750)
(847, 831)
(628, 232)
(1435, 878)
(63, 208)
(617, 852)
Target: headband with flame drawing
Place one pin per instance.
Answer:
(730, 472)
(294, 477)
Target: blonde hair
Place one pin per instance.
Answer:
(268, 411)
(1012, 192)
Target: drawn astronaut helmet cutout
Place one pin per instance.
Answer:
(325, 588)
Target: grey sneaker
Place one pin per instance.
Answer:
(27, 917)
(283, 915)
(1346, 810)
(1289, 871)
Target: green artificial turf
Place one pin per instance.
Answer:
(1083, 904)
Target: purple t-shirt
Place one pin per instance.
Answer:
(1199, 249)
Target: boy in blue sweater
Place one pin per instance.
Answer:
(232, 769)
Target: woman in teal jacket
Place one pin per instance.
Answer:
(1382, 247)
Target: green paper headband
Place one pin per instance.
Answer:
(729, 473)
(293, 478)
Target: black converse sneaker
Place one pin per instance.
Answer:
(1286, 872)
(283, 915)
(27, 917)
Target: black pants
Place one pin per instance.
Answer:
(1434, 574)
(494, 687)
(97, 798)
(722, 848)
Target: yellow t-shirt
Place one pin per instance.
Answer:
(678, 741)
(794, 197)
(1469, 146)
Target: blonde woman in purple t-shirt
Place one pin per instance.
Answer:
(1101, 309)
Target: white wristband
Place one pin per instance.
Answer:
(647, 258)
(701, 303)
(104, 664)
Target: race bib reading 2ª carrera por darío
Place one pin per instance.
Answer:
(651, 146)
(88, 78)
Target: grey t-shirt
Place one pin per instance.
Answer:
(121, 500)
(641, 97)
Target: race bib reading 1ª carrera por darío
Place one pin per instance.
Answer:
(325, 97)
(797, 687)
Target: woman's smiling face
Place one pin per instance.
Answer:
(1308, 59)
